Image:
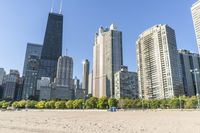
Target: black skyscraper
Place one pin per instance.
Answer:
(52, 47)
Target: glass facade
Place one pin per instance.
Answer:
(52, 47)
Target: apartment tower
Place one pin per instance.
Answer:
(196, 21)
(107, 60)
(158, 67)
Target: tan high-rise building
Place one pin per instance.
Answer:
(159, 73)
(196, 20)
(64, 76)
(62, 87)
(107, 60)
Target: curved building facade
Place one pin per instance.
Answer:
(158, 65)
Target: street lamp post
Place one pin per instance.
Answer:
(195, 72)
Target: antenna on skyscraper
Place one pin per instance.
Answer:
(52, 5)
(66, 51)
(61, 4)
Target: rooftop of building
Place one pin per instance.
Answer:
(184, 51)
(195, 4)
(105, 29)
(34, 44)
(151, 30)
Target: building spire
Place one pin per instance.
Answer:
(66, 51)
(61, 4)
(52, 5)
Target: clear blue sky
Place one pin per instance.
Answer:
(23, 21)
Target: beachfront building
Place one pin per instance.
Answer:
(126, 84)
(189, 61)
(158, 65)
(107, 60)
(196, 20)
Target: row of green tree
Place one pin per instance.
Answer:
(105, 103)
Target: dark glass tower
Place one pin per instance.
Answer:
(52, 47)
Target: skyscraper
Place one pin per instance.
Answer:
(10, 84)
(158, 65)
(64, 75)
(107, 59)
(52, 46)
(2, 74)
(31, 49)
(196, 20)
(63, 86)
(78, 91)
(189, 61)
(86, 71)
(31, 76)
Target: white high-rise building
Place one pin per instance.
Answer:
(196, 20)
(158, 65)
(107, 60)
(90, 83)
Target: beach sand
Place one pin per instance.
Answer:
(52, 121)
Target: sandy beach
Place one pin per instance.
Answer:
(165, 121)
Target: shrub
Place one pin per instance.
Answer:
(112, 102)
(154, 104)
(136, 103)
(60, 104)
(69, 104)
(31, 104)
(174, 103)
(5, 105)
(1, 103)
(102, 103)
(22, 104)
(15, 104)
(52, 104)
(91, 103)
(40, 105)
(191, 103)
(78, 104)
(164, 103)
(47, 105)
(125, 103)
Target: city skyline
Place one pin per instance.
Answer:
(86, 35)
